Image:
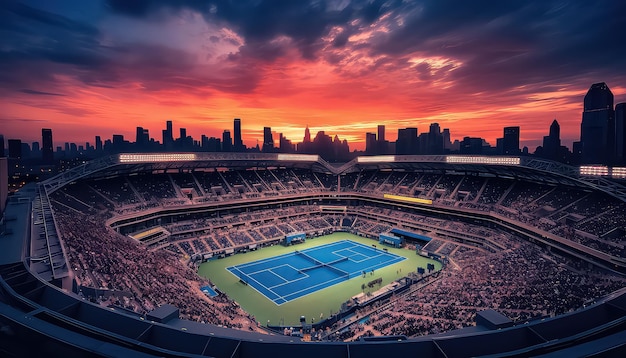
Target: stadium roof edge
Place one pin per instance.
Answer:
(497, 165)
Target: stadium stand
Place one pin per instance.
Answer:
(579, 227)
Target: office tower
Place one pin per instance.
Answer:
(307, 135)
(4, 182)
(15, 148)
(407, 141)
(1, 146)
(36, 151)
(510, 141)
(183, 134)
(370, 143)
(47, 148)
(447, 143)
(168, 136)
(471, 145)
(597, 130)
(435, 140)
(238, 142)
(552, 142)
(142, 138)
(268, 140)
(381, 133)
(620, 134)
(227, 144)
(98, 144)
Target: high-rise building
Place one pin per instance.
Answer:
(1, 146)
(307, 135)
(227, 142)
(471, 145)
(168, 136)
(371, 146)
(407, 142)
(510, 141)
(552, 142)
(142, 138)
(4, 183)
(98, 144)
(47, 148)
(435, 140)
(183, 133)
(238, 142)
(381, 133)
(268, 140)
(15, 148)
(597, 130)
(620, 133)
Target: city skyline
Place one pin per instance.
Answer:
(344, 67)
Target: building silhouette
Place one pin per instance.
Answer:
(1, 146)
(237, 141)
(15, 148)
(597, 132)
(168, 136)
(268, 140)
(510, 141)
(407, 142)
(227, 142)
(47, 148)
(620, 134)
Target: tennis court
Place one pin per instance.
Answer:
(290, 276)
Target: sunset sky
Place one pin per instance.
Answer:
(96, 67)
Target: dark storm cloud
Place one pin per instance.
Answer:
(501, 44)
(504, 44)
(37, 46)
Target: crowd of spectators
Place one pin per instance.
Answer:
(490, 269)
(521, 282)
(135, 278)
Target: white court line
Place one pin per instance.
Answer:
(393, 258)
(278, 297)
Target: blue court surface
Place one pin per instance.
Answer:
(290, 276)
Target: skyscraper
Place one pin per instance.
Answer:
(15, 149)
(142, 138)
(4, 182)
(307, 135)
(227, 143)
(510, 141)
(620, 133)
(168, 136)
(407, 141)
(552, 142)
(435, 140)
(98, 144)
(381, 133)
(597, 130)
(1, 146)
(370, 143)
(268, 140)
(238, 142)
(47, 149)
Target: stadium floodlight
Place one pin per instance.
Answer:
(377, 159)
(458, 159)
(160, 157)
(594, 170)
(618, 172)
(298, 157)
